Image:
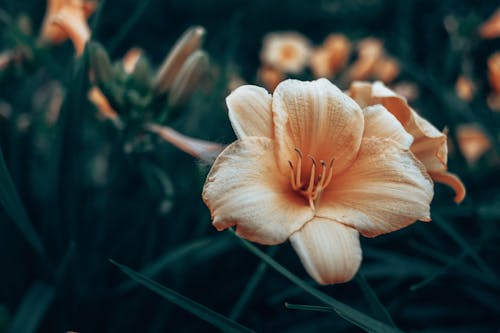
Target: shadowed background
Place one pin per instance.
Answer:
(89, 200)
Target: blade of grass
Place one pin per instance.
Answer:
(350, 314)
(250, 287)
(130, 23)
(11, 202)
(304, 307)
(453, 233)
(159, 265)
(31, 310)
(379, 310)
(221, 322)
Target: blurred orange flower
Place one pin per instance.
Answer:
(270, 77)
(494, 79)
(372, 62)
(67, 19)
(465, 88)
(287, 52)
(472, 141)
(491, 27)
(312, 166)
(331, 57)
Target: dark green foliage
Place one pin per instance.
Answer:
(77, 191)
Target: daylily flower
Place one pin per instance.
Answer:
(67, 19)
(270, 77)
(312, 166)
(494, 80)
(331, 57)
(288, 52)
(373, 62)
(465, 88)
(472, 142)
(491, 27)
(429, 144)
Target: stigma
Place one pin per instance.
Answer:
(314, 182)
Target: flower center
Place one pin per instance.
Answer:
(313, 183)
(288, 52)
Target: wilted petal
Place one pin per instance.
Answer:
(204, 150)
(317, 118)
(244, 188)
(330, 251)
(386, 183)
(382, 124)
(250, 111)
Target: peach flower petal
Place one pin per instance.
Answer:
(320, 120)
(329, 251)
(386, 183)
(250, 111)
(452, 181)
(429, 144)
(244, 188)
(380, 123)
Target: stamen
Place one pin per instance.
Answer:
(317, 183)
(298, 181)
(292, 176)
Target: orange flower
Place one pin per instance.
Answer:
(372, 62)
(67, 18)
(429, 144)
(331, 57)
(270, 77)
(491, 28)
(288, 52)
(494, 72)
(370, 50)
(312, 166)
(465, 88)
(473, 142)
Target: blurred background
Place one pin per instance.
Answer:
(76, 189)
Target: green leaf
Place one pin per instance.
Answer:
(11, 202)
(379, 310)
(251, 286)
(31, 310)
(221, 322)
(350, 314)
(172, 256)
(304, 307)
(447, 228)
